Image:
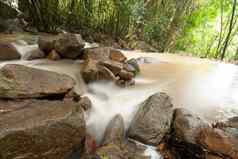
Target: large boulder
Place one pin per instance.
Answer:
(37, 129)
(183, 139)
(153, 120)
(115, 131)
(9, 52)
(18, 81)
(187, 125)
(69, 45)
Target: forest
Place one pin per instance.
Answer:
(204, 28)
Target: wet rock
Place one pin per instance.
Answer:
(9, 52)
(130, 68)
(182, 141)
(212, 156)
(106, 74)
(187, 125)
(124, 75)
(85, 103)
(90, 145)
(99, 53)
(18, 81)
(53, 55)
(123, 83)
(72, 96)
(111, 152)
(115, 131)
(91, 71)
(219, 142)
(135, 150)
(49, 129)
(69, 45)
(133, 63)
(34, 54)
(46, 44)
(117, 55)
(113, 66)
(153, 120)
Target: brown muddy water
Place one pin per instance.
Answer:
(207, 88)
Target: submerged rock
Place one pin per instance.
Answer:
(115, 131)
(9, 52)
(18, 81)
(153, 120)
(40, 129)
(69, 45)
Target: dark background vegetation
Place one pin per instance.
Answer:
(204, 28)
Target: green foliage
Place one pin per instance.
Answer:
(206, 29)
(151, 20)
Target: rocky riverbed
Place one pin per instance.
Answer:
(50, 113)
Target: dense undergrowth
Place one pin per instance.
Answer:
(157, 22)
(204, 28)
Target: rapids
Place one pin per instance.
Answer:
(207, 88)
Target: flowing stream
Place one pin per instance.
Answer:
(207, 88)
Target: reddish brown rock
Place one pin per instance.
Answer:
(40, 129)
(218, 141)
(124, 75)
(18, 81)
(117, 55)
(91, 71)
(53, 55)
(9, 52)
(113, 66)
